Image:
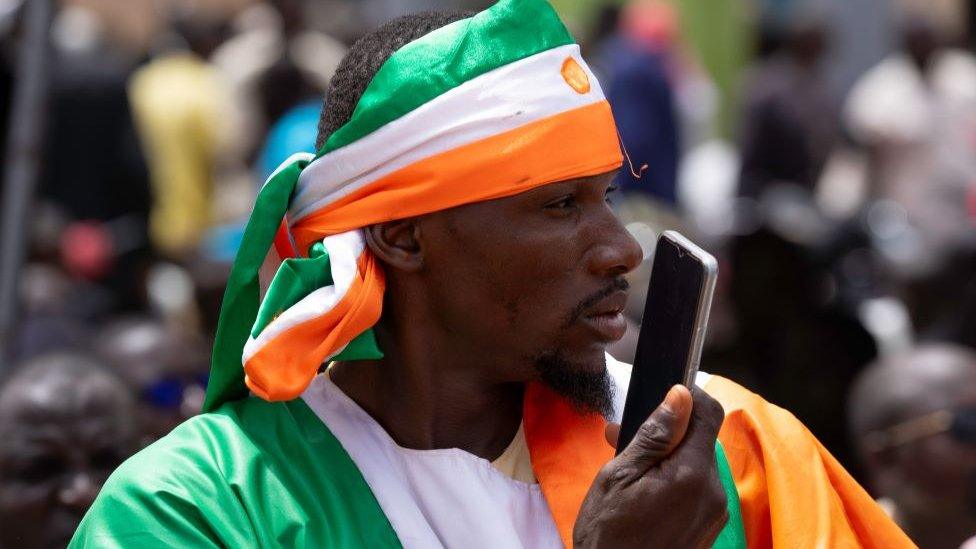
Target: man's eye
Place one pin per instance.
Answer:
(562, 203)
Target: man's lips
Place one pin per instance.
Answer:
(606, 318)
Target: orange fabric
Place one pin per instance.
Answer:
(567, 451)
(575, 76)
(282, 242)
(283, 368)
(793, 493)
(576, 143)
(791, 490)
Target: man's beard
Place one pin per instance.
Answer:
(588, 392)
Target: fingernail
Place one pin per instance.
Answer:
(672, 398)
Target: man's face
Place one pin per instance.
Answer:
(56, 453)
(535, 280)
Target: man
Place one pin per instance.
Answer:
(456, 218)
(66, 423)
(913, 417)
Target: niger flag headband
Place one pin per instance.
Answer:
(483, 108)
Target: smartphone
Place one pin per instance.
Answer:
(672, 329)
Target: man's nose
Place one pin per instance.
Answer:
(79, 491)
(617, 252)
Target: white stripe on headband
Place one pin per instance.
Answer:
(498, 101)
(344, 250)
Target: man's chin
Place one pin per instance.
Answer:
(582, 380)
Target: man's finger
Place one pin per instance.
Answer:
(660, 434)
(706, 420)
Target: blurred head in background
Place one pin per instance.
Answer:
(166, 367)
(66, 423)
(913, 417)
(650, 23)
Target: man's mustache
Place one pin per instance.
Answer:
(618, 284)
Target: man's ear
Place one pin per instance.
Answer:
(396, 244)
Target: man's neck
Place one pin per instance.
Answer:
(429, 400)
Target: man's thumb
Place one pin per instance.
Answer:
(661, 433)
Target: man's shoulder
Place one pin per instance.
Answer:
(199, 484)
(197, 448)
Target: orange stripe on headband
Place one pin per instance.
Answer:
(576, 143)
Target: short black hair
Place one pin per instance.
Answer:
(364, 60)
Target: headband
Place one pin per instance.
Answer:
(483, 108)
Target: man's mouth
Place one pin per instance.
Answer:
(605, 319)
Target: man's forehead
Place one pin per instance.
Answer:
(598, 180)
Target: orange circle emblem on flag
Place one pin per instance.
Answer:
(575, 76)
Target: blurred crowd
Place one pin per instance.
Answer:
(823, 150)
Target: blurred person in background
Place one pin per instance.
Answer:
(640, 62)
(293, 105)
(66, 422)
(165, 366)
(275, 61)
(52, 312)
(913, 419)
(915, 114)
(95, 174)
(796, 276)
(790, 123)
(178, 99)
(277, 67)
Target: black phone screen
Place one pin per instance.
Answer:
(666, 335)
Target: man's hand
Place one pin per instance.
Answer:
(663, 490)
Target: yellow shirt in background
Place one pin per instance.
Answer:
(176, 104)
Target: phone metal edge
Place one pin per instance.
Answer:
(704, 306)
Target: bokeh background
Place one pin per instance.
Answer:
(823, 150)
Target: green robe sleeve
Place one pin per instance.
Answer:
(251, 474)
(171, 495)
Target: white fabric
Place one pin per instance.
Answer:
(344, 250)
(435, 498)
(498, 101)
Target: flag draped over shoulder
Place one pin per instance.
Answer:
(486, 107)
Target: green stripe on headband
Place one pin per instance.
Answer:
(448, 57)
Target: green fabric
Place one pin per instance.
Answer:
(242, 296)
(447, 57)
(244, 314)
(251, 474)
(733, 536)
(295, 279)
